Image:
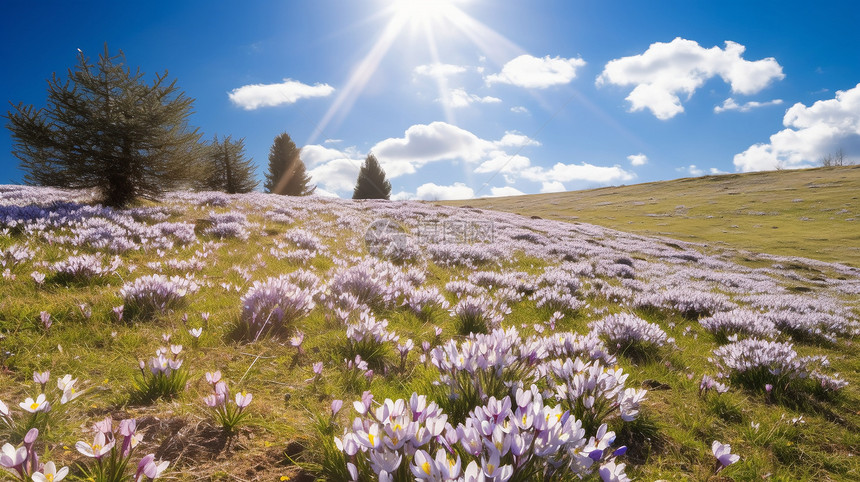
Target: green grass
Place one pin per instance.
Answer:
(813, 213)
(670, 440)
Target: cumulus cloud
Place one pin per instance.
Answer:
(537, 73)
(515, 139)
(336, 174)
(561, 172)
(667, 70)
(439, 70)
(505, 191)
(323, 193)
(637, 159)
(503, 163)
(250, 97)
(315, 154)
(693, 170)
(434, 192)
(518, 109)
(438, 141)
(731, 104)
(810, 134)
(460, 98)
(552, 186)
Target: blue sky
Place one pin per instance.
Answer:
(465, 98)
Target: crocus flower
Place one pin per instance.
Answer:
(42, 378)
(49, 473)
(195, 332)
(336, 405)
(147, 467)
(723, 453)
(46, 319)
(243, 399)
(12, 457)
(37, 405)
(97, 449)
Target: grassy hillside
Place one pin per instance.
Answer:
(539, 332)
(813, 213)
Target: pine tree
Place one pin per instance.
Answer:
(371, 183)
(287, 174)
(226, 167)
(104, 128)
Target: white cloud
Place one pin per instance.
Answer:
(423, 143)
(402, 196)
(250, 97)
(439, 141)
(666, 70)
(577, 172)
(810, 134)
(332, 141)
(515, 139)
(714, 171)
(637, 159)
(461, 98)
(505, 191)
(692, 170)
(439, 70)
(731, 104)
(434, 192)
(323, 193)
(503, 163)
(518, 109)
(537, 73)
(336, 174)
(552, 186)
(315, 154)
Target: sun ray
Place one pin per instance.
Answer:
(360, 76)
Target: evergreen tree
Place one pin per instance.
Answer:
(287, 174)
(371, 183)
(105, 128)
(226, 167)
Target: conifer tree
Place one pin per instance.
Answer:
(287, 174)
(226, 167)
(371, 182)
(104, 128)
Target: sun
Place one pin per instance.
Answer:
(424, 11)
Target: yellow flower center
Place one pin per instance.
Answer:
(370, 437)
(426, 467)
(49, 477)
(34, 406)
(96, 447)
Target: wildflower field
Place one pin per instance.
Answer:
(261, 337)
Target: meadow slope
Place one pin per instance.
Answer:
(814, 213)
(426, 342)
